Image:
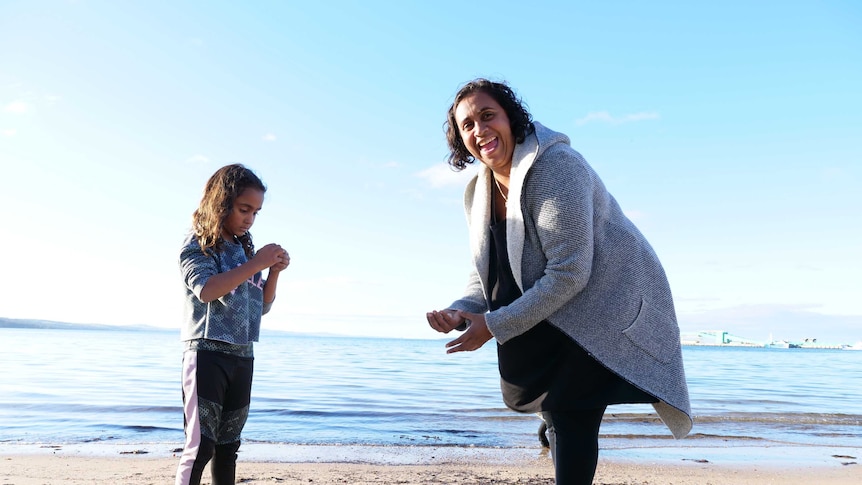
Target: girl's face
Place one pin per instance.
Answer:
(486, 131)
(241, 216)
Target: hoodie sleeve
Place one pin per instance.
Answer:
(196, 267)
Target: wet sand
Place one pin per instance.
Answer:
(291, 464)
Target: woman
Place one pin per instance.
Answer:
(573, 293)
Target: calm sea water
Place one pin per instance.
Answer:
(82, 386)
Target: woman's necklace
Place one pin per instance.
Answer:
(505, 199)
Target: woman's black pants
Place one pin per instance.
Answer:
(574, 439)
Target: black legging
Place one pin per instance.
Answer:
(222, 466)
(574, 437)
(216, 396)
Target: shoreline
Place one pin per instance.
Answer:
(150, 463)
(733, 455)
(716, 451)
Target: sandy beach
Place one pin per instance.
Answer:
(404, 465)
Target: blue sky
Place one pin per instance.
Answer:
(729, 133)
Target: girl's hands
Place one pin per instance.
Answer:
(280, 266)
(272, 256)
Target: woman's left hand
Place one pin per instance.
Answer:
(474, 337)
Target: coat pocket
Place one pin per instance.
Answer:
(654, 332)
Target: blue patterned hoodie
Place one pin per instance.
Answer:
(235, 317)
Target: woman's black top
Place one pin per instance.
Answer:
(544, 369)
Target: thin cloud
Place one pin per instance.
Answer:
(269, 137)
(605, 117)
(17, 107)
(836, 173)
(9, 132)
(441, 175)
(198, 159)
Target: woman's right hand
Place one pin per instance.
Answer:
(444, 321)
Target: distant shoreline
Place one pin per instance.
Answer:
(54, 325)
(767, 346)
(24, 323)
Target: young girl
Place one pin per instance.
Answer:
(225, 298)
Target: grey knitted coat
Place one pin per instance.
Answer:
(583, 266)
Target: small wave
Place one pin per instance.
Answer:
(783, 418)
(762, 418)
(53, 406)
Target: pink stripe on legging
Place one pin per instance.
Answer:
(192, 419)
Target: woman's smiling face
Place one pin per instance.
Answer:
(486, 131)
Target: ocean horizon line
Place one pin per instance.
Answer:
(700, 338)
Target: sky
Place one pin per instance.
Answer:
(729, 132)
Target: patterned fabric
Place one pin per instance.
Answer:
(209, 413)
(232, 424)
(221, 427)
(233, 318)
(223, 347)
(583, 266)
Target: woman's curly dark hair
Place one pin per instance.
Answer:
(221, 190)
(516, 110)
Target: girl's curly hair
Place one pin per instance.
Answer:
(519, 118)
(221, 190)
